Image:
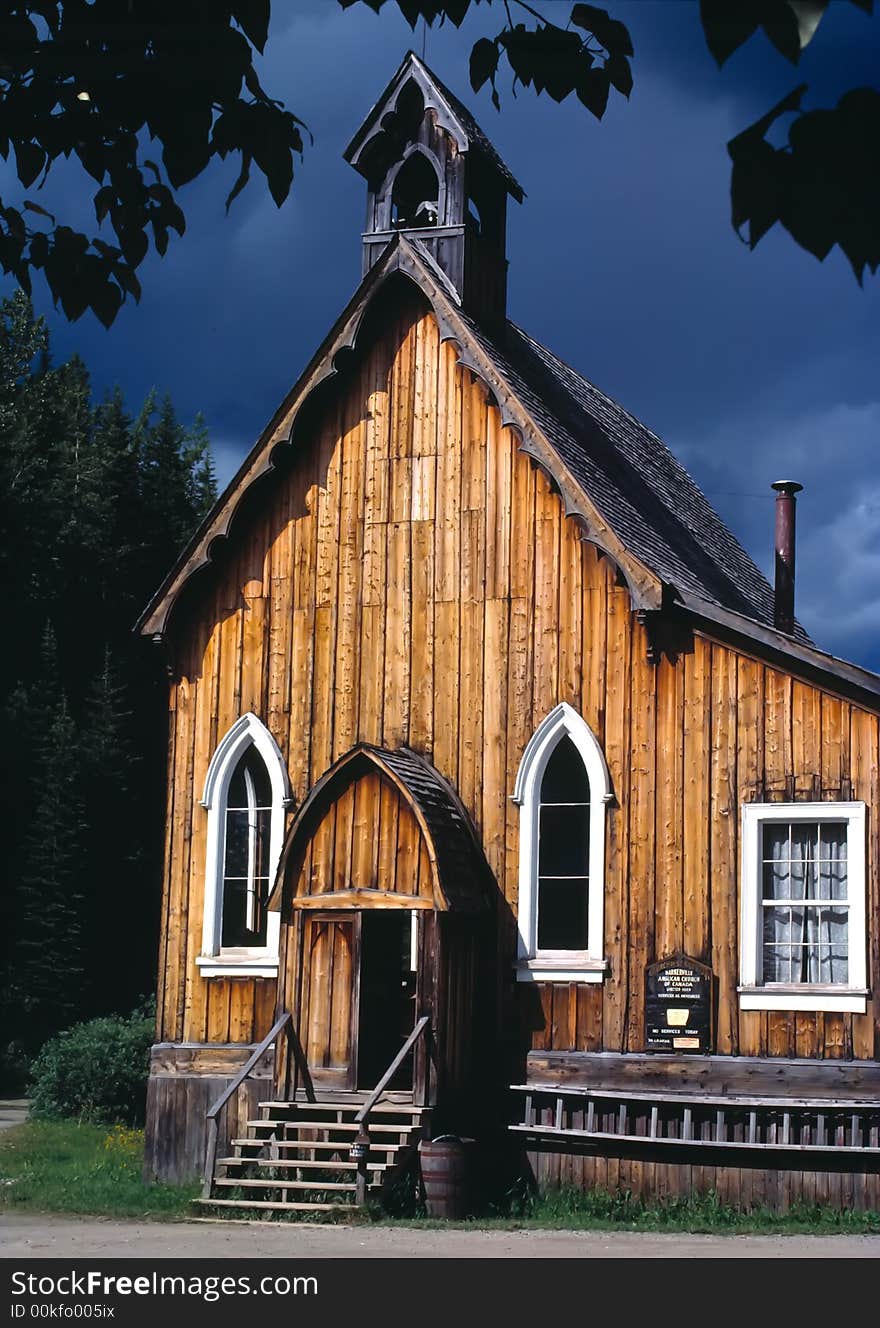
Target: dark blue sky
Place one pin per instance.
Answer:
(752, 366)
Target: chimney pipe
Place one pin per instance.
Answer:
(783, 605)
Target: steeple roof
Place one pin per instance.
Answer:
(452, 114)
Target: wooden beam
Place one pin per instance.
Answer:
(361, 899)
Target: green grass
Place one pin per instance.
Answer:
(598, 1210)
(577, 1210)
(68, 1167)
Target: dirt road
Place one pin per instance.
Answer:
(35, 1237)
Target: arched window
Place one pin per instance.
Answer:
(246, 792)
(246, 853)
(415, 195)
(563, 790)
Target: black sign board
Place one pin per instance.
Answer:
(678, 1005)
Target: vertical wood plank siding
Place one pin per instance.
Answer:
(409, 577)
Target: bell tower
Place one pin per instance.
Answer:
(432, 173)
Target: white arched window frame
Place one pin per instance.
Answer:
(243, 961)
(533, 964)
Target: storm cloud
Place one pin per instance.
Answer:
(752, 366)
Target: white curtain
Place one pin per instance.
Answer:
(805, 913)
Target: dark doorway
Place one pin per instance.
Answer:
(387, 997)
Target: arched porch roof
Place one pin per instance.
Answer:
(460, 876)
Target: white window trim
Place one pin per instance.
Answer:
(240, 961)
(851, 998)
(534, 965)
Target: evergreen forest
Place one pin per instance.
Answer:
(95, 504)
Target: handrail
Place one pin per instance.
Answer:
(281, 1022)
(364, 1113)
(294, 1045)
(360, 1147)
(284, 1021)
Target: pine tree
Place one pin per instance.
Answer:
(47, 964)
(94, 507)
(24, 521)
(164, 475)
(200, 463)
(115, 842)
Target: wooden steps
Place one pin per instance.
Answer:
(303, 1164)
(347, 1127)
(296, 1157)
(246, 1183)
(305, 1109)
(279, 1206)
(316, 1145)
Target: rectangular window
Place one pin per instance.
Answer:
(803, 907)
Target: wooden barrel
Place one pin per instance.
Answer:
(446, 1175)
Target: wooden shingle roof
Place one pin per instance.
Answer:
(644, 492)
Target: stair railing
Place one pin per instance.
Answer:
(283, 1025)
(360, 1147)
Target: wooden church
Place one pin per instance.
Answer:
(506, 798)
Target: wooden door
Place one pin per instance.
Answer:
(331, 979)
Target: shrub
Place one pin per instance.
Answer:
(95, 1071)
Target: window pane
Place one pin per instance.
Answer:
(778, 963)
(832, 840)
(833, 964)
(260, 776)
(235, 912)
(832, 861)
(237, 794)
(253, 766)
(562, 915)
(565, 779)
(777, 880)
(236, 860)
(804, 841)
(264, 825)
(259, 913)
(833, 927)
(777, 926)
(777, 847)
(776, 854)
(563, 846)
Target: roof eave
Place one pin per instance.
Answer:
(797, 656)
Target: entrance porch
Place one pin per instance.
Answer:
(379, 1038)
